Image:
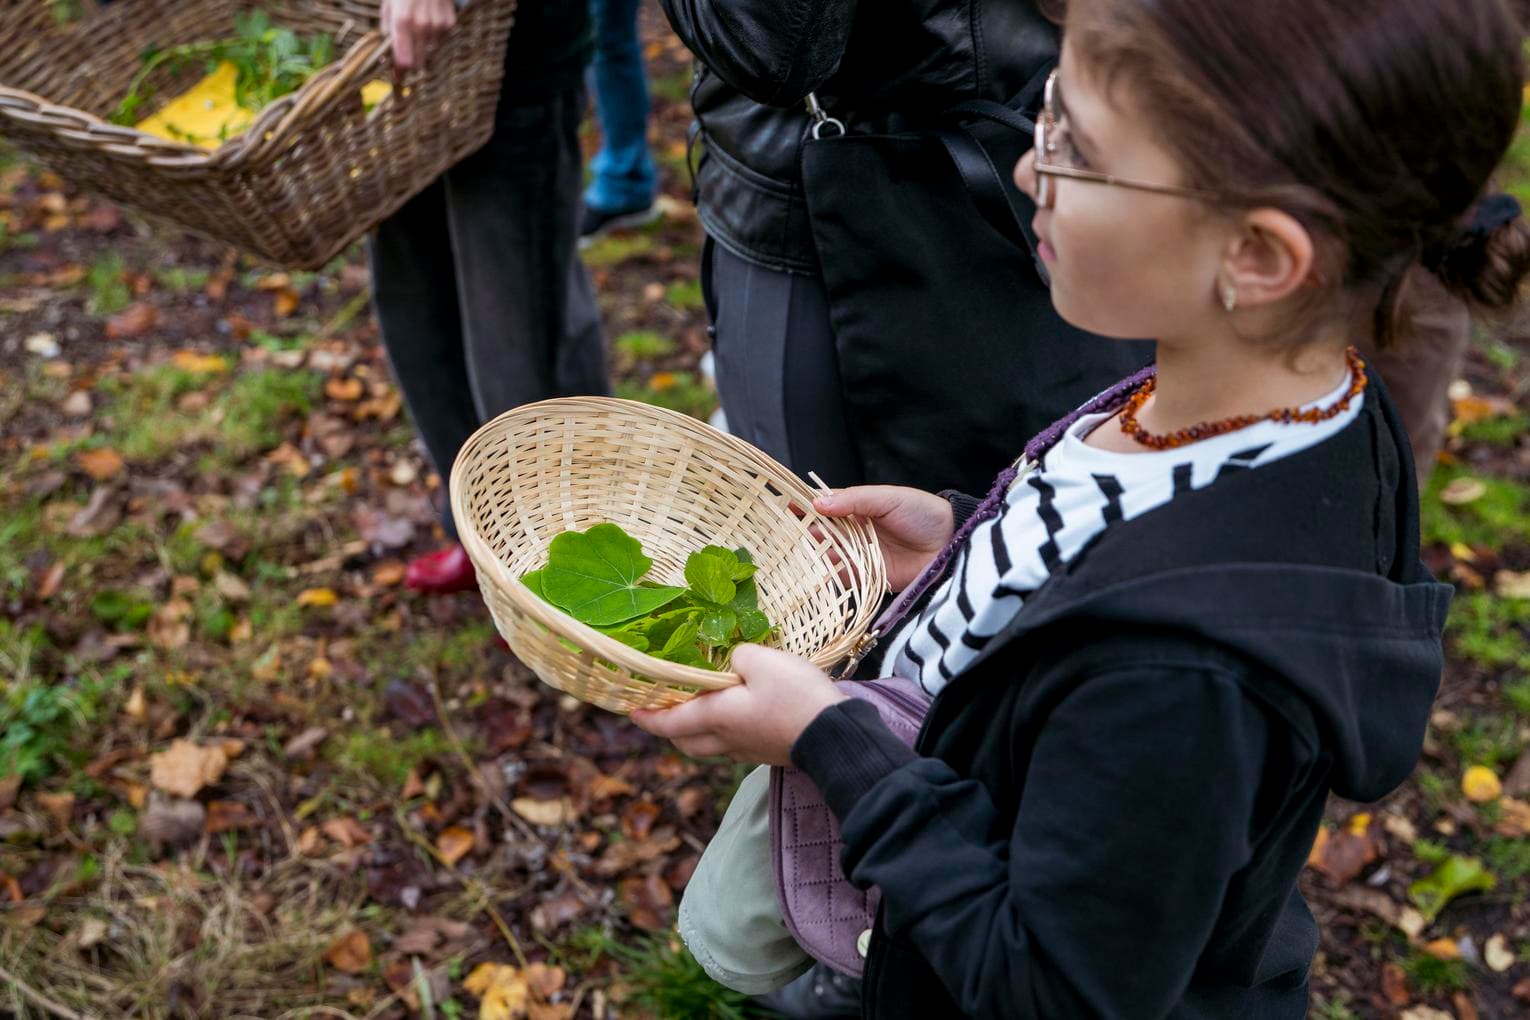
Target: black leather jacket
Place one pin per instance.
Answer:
(878, 67)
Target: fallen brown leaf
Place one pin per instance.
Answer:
(351, 953)
(229, 816)
(133, 321)
(648, 900)
(185, 768)
(346, 831)
(285, 302)
(1394, 984)
(549, 915)
(102, 463)
(59, 806)
(639, 818)
(453, 844)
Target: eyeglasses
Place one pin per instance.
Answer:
(1054, 148)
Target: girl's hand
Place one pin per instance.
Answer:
(416, 27)
(912, 525)
(757, 721)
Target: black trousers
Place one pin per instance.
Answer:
(483, 302)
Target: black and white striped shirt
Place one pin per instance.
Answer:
(1055, 510)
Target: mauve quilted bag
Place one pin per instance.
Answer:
(829, 917)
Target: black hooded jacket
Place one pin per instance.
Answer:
(1107, 812)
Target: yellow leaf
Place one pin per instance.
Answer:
(1463, 552)
(1443, 949)
(135, 708)
(453, 844)
(374, 92)
(1480, 785)
(1318, 843)
(346, 388)
(199, 364)
(285, 302)
(203, 115)
(1358, 823)
(186, 767)
(317, 597)
(501, 990)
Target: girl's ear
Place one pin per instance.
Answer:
(1270, 257)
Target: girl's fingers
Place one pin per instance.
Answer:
(702, 747)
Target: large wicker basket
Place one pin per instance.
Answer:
(674, 484)
(315, 170)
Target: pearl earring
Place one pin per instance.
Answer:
(1229, 297)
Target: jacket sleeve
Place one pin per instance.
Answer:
(1136, 812)
(773, 51)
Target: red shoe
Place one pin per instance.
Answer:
(441, 572)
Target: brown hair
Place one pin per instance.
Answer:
(1377, 123)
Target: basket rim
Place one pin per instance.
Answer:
(493, 570)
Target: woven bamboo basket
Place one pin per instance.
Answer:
(313, 172)
(675, 484)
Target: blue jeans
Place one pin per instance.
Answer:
(624, 174)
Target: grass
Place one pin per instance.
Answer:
(182, 279)
(685, 295)
(381, 756)
(1517, 694)
(1509, 859)
(615, 249)
(106, 285)
(215, 943)
(663, 979)
(1488, 740)
(1499, 517)
(1504, 432)
(1490, 631)
(674, 87)
(685, 392)
(643, 345)
(1429, 975)
(246, 416)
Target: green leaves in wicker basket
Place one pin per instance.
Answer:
(596, 576)
(269, 62)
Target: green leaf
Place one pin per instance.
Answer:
(594, 575)
(627, 636)
(533, 580)
(747, 596)
(711, 575)
(740, 565)
(753, 625)
(681, 647)
(1456, 876)
(717, 627)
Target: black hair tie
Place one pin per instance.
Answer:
(1466, 250)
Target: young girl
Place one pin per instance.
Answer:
(1158, 648)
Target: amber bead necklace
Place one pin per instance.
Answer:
(1206, 430)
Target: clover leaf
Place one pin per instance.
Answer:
(593, 576)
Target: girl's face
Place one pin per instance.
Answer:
(1124, 262)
